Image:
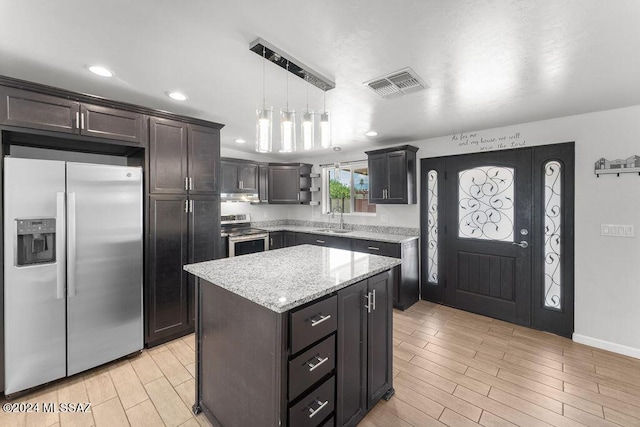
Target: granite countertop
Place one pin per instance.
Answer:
(354, 234)
(283, 279)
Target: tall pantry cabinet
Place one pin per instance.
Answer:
(184, 227)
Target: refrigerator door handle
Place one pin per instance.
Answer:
(71, 239)
(60, 246)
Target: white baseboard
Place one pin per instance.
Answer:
(607, 345)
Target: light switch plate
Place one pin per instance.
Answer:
(617, 230)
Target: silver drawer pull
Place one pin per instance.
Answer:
(314, 412)
(319, 362)
(319, 241)
(322, 319)
(373, 248)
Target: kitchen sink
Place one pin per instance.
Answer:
(333, 230)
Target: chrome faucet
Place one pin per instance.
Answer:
(341, 216)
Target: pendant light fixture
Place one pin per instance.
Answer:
(307, 124)
(265, 118)
(325, 125)
(287, 125)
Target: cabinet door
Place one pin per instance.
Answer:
(230, 179)
(168, 156)
(378, 177)
(351, 357)
(379, 337)
(289, 238)
(105, 122)
(204, 156)
(167, 282)
(276, 240)
(22, 108)
(204, 237)
(248, 173)
(284, 184)
(263, 183)
(397, 169)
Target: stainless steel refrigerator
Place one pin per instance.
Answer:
(73, 262)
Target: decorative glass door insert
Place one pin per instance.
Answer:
(486, 203)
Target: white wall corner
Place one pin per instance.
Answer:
(607, 345)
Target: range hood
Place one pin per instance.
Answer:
(240, 197)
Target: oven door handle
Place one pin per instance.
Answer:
(248, 238)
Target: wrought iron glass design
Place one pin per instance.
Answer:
(552, 234)
(486, 203)
(432, 227)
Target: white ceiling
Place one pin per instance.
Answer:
(488, 62)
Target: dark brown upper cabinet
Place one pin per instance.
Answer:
(33, 110)
(184, 158)
(289, 183)
(239, 176)
(392, 175)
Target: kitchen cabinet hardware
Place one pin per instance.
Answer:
(374, 299)
(320, 408)
(320, 241)
(190, 183)
(82, 121)
(319, 362)
(319, 321)
(368, 304)
(191, 205)
(373, 248)
(78, 120)
(186, 183)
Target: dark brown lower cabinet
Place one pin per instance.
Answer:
(364, 347)
(406, 290)
(259, 367)
(181, 230)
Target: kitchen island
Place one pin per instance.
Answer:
(299, 336)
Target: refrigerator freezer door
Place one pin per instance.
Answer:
(104, 303)
(34, 302)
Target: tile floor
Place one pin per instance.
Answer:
(450, 368)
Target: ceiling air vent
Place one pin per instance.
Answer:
(397, 84)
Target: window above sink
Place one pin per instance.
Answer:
(347, 187)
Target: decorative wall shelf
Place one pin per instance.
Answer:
(618, 166)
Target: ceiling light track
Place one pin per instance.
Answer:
(289, 63)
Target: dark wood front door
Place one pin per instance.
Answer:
(487, 234)
(497, 234)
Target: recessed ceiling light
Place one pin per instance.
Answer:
(101, 71)
(240, 141)
(337, 148)
(371, 133)
(178, 96)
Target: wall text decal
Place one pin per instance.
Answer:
(480, 142)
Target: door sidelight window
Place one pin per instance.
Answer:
(552, 234)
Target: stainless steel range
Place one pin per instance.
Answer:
(242, 238)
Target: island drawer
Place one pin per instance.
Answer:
(313, 323)
(311, 366)
(314, 408)
(376, 248)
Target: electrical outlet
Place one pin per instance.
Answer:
(384, 218)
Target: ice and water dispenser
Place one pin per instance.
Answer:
(36, 241)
